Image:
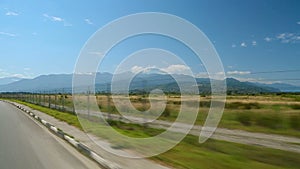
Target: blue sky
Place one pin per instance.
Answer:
(251, 36)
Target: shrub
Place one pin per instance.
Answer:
(113, 122)
(205, 103)
(295, 122)
(272, 121)
(177, 102)
(244, 118)
(234, 105)
(167, 112)
(240, 105)
(295, 106)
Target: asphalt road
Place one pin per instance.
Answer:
(25, 144)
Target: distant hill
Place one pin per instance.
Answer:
(283, 87)
(237, 87)
(233, 87)
(40, 83)
(140, 83)
(48, 83)
(7, 80)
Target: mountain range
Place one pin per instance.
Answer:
(7, 80)
(140, 83)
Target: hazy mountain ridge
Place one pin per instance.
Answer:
(282, 87)
(141, 82)
(8, 80)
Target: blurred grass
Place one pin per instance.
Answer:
(223, 155)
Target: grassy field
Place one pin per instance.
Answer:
(276, 113)
(212, 154)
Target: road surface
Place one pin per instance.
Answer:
(25, 144)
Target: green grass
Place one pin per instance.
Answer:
(295, 122)
(293, 96)
(267, 122)
(212, 154)
(63, 116)
(271, 119)
(221, 155)
(189, 153)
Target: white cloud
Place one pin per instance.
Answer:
(238, 72)
(88, 21)
(243, 44)
(11, 13)
(298, 22)
(202, 75)
(171, 69)
(53, 18)
(137, 69)
(57, 19)
(84, 73)
(256, 80)
(177, 69)
(287, 37)
(281, 36)
(19, 75)
(4, 73)
(242, 79)
(268, 39)
(8, 34)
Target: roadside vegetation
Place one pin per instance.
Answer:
(268, 114)
(276, 114)
(273, 113)
(63, 116)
